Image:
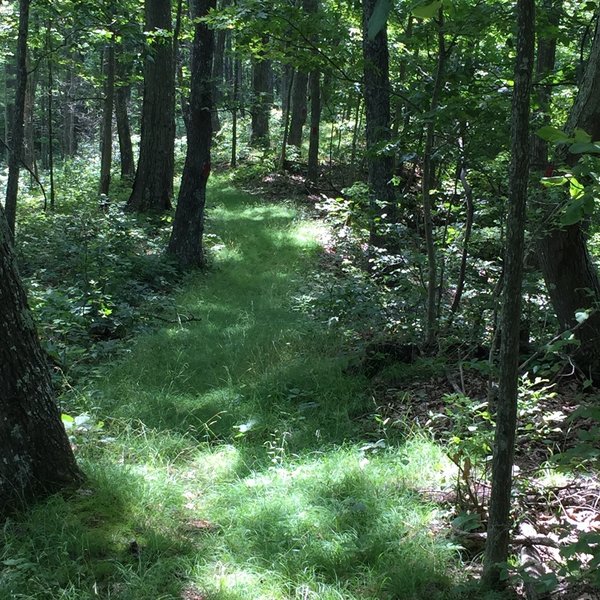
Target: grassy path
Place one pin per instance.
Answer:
(232, 463)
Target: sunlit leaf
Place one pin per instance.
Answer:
(553, 134)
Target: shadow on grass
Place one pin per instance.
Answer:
(102, 542)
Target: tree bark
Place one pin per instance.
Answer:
(570, 275)
(153, 185)
(377, 106)
(107, 116)
(185, 244)
(17, 131)
(28, 128)
(499, 523)
(35, 455)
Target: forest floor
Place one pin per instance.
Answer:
(239, 449)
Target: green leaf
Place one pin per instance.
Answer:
(581, 137)
(582, 315)
(68, 421)
(585, 147)
(576, 190)
(553, 181)
(573, 213)
(427, 11)
(553, 134)
(378, 18)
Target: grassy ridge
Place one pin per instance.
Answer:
(233, 461)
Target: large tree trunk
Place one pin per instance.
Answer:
(377, 104)
(185, 244)
(499, 523)
(35, 455)
(153, 185)
(17, 132)
(570, 275)
(107, 117)
(261, 106)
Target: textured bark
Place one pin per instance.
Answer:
(571, 278)
(261, 106)
(377, 105)
(107, 117)
(499, 522)
(17, 130)
(35, 455)
(153, 185)
(185, 244)
(122, 96)
(299, 110)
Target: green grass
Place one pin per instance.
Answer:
(234, 452)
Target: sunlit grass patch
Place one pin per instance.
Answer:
(336, 519)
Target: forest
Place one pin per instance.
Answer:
(299, 299)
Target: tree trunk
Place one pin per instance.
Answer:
(185, 244)
(122, 96)
(153, 185)
(570, 275)
(499, 523)
(377, 104)
(298, 112)
(107, 116)
(16, 142)
(35, 455)
(261, 106)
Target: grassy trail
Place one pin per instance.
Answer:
(234, 462)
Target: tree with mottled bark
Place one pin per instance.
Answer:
(17, 132)
(35, 455)
(153, 185)
(499, 522)
(185, 245)
(298, 109)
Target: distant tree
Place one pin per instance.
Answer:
(122, 97)
(185, 244)
(107, 116)
(153, 185)
(35, 455)
(499, 524)
(262, 89)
